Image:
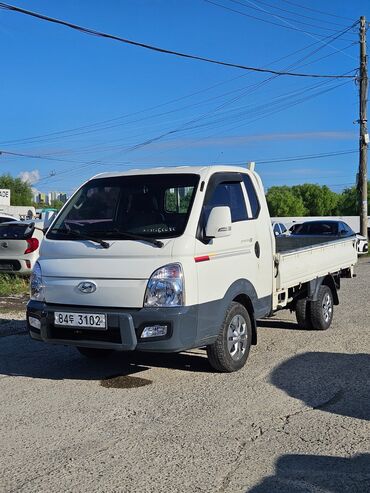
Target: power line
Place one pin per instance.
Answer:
(257, 160)
(287, 24)
(282, 17)
(316, 10)
(94, 127)
(300, 15)
(306, 157)
(161, 50)
(39, 156)
(99, 126)
(290, 26)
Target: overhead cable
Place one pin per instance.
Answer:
(163, 50)
(316, 10)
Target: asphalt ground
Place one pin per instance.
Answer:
(295, 419)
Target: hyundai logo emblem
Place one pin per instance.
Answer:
(4, 244)
(87, 287)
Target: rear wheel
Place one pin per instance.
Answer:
(94, 353)
(316, 315)
(302, 313)
(321, 311)
(231, 349)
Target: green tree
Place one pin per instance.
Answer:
(318, 200)
(56, 204)
(348, 203)
(283, 202)
(20, 191)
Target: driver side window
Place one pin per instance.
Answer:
(230, 195)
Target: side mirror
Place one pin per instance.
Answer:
(219, 223)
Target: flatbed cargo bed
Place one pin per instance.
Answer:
(301, 260)
(296, 242)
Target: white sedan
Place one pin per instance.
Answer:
(5, 218)
(19, 246)
(362, 244)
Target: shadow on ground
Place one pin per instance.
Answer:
(332, 382)
(270, 323)
(313, 473)
(21, 356)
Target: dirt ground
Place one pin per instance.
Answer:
(295, 419)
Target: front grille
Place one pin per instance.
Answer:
(10, 265)
(72, 334)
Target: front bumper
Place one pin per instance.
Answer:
(124, 327)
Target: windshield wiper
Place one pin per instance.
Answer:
(133, 236)
(81, 236)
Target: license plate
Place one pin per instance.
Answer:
(91, 320)
(6, 267)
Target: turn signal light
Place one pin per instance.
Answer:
(33, 244)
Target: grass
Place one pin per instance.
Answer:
(11, 285)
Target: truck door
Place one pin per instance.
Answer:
(224, 261)
(259, 222)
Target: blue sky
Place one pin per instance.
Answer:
(55, 80)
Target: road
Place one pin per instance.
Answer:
(295, 419)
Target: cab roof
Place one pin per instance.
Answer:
(198, 170)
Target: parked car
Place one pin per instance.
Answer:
(362, 244)
(279, 229)
(19, 246)
(294, 227)
(5, 218)
(170, 259)
(330, 229)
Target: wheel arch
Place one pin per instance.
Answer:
(245, 301)
(333, 285)
(328, 280)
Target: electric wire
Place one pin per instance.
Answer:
(282, 17)
(285, 26)
(87, 129)
(93, 32)
(315, 10)
(300, 14)
(287, 23)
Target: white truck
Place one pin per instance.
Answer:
(169, 259)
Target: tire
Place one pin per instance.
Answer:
(94, 353)
(231, 349)
(321, 311)
(302, 313)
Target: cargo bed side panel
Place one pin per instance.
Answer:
(305, 264)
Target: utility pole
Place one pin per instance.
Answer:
(364, 136)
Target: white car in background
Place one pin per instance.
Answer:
(362, 244)
(19, 246)
(279, 229)
(5, 218)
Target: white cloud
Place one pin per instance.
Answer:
(30, 176)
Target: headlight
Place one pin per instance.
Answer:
(166, 287)
(36, 285)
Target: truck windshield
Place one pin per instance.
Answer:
(149, 206)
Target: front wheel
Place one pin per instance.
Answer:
(231, 349)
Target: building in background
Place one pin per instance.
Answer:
(49, 198)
